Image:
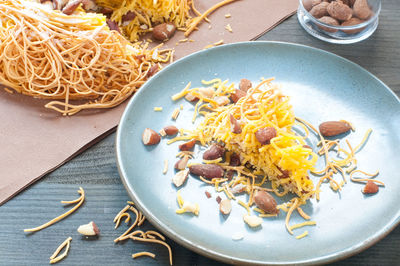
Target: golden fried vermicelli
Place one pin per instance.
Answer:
(47, 54)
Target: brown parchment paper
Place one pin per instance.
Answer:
(34, 141)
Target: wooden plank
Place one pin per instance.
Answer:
(96, 171)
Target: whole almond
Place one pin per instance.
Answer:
(252, 220)
(214, 152)
(225, 206)
(150, 137)
(208, 171)
(351, 22)
(339, 11)
(370, 188)
(330, 21)
(245, 85)
(171, 130)
(237, 95)
(264, 135)
(164, 31)
(187, 146)
(308, 4)
(361, 9)
(265, 202)
(235, 126)
(333, 128)
(319, 10)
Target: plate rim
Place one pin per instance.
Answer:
(187, 243)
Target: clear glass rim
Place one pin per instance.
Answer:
(353, 27)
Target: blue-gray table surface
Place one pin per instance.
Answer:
(96, 171)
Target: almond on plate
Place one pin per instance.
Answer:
(150, 137)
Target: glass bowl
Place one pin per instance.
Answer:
(339, 34)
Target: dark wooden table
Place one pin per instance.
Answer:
(96, 171)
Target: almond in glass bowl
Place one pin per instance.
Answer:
(339, 21)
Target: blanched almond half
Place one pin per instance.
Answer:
(225, 206)
(180, 177)
(182, 163)
(222, 100)
(252, 221)
(89, 229)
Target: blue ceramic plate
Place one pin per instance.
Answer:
(322, 87)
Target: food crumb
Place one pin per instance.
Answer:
(237, 236)
(228, 28)
(158, 109)
(218, 199)
(175, 113)
(165, 170)
(208, 194)
(228, 15)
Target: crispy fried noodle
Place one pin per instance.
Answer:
(47, 54)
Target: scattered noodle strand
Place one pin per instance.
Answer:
(81, 199)
(54, 258)
(143, 253)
